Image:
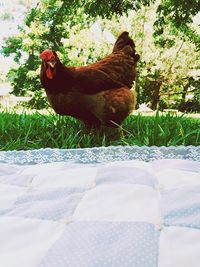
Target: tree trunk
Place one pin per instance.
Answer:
(155, 98)
(156, 86)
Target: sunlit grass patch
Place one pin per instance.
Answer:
(34, 131)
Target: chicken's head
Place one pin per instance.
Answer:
(49, 58)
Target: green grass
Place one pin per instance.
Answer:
(33, 131)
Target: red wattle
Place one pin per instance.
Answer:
(49, 73)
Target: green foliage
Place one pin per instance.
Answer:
(178, 15)
(106, 8)
(44, 27)
(164, 72)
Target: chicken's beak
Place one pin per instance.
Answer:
(52, 63)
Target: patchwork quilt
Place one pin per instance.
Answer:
(114, 214)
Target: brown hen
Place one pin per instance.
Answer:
(98, 94)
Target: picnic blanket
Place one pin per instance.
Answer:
(108, 213)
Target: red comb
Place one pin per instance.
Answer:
(47, 55)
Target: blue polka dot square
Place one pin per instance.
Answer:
(181, 207)
(105, 244)
(125, 175)
(47, 204)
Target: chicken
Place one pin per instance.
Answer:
(98, 94)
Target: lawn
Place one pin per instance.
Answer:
(32, 131)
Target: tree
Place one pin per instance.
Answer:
(43, 27)
(65, 26)
(178, 14)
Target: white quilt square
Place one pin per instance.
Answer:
(119, 202)
(131, 163)
(9, 194)
(66, 177)
(9, 169)
(24, 242)
(179, 247)
(45, 167)
(173, 178)
(176, 164)
(173, 173)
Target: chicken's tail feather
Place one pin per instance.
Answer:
(122, 41)
(125, 43)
